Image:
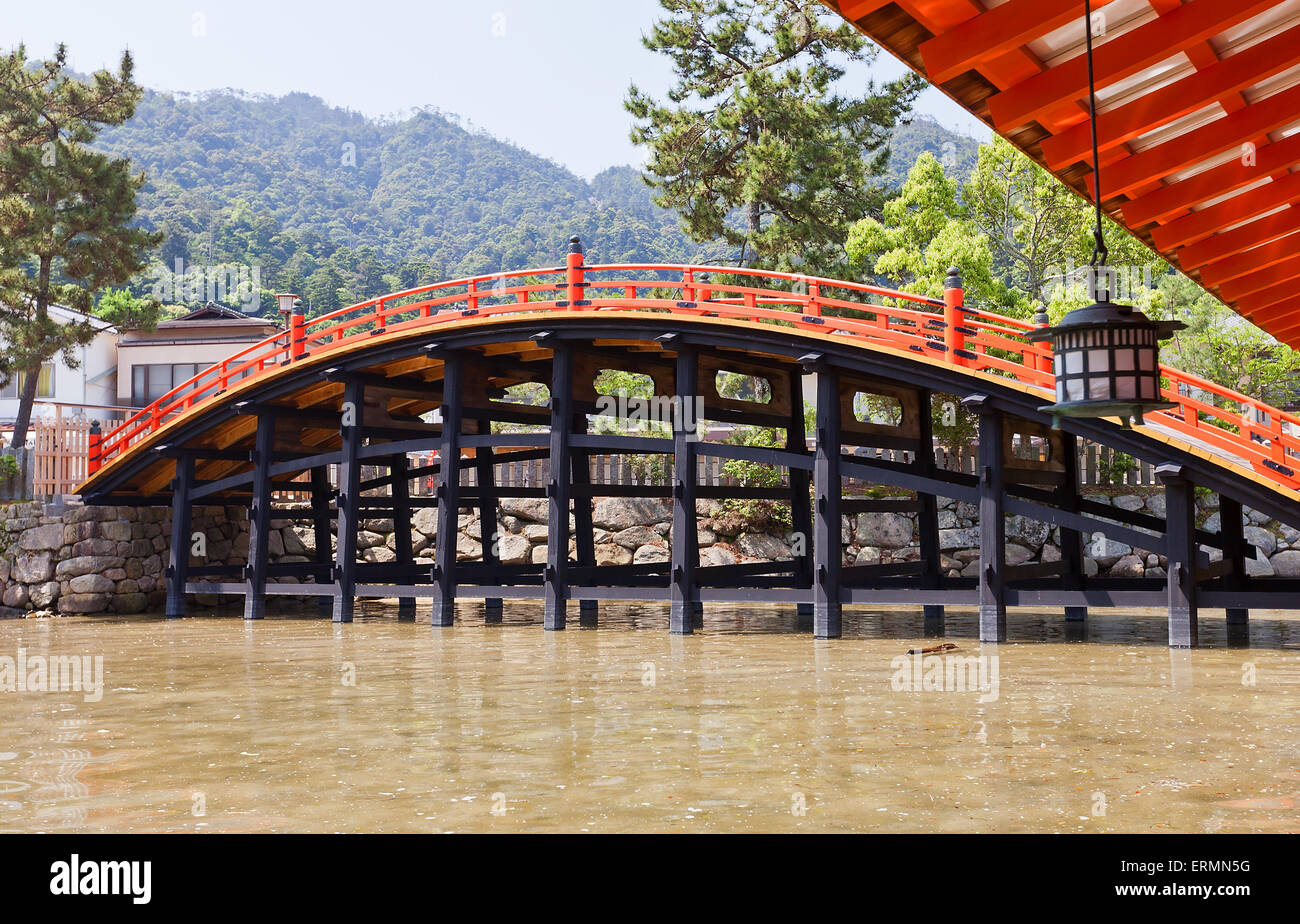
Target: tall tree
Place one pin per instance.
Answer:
(922, 231)
(1040, 231)
(753, 123)
(66, 211)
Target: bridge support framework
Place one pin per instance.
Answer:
(377, 422)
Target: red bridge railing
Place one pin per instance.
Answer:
(939, 330)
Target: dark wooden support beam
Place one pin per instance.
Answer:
(259, 521)
(1071, 539)
(1234, 553)
(399, 468)
(489, 537)
(928, 516)
(684, 599)
(408, 388)
(444, 556)
(828, 556)
(556, 586)
(320, 523)
(178, 563)
(584, 529)
(1180, 549)
(348, 522)
(801, 514)
(993, 607)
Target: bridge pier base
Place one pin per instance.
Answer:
(827, 485)
(558, 488)
(448, 492)
(1071, 540)
(322, 537)
(684, 595)
(347, 521)
(178, 566)
(928, 515)
(992, 603)
(588, 610)
(485, 475)
(401, 488)
(259, 521)
(1234, 552)
(1180, 536)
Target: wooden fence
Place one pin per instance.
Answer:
(59, 454)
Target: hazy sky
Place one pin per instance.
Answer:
(549, 75)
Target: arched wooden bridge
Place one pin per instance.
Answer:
(353, 387)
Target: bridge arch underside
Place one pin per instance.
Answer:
(363, 406)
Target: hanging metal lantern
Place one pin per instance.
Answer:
(1107, 360)
(1107, 356)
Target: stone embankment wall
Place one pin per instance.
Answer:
(87, 560)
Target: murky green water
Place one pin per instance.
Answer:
(294, 724)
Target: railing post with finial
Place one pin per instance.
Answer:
(297, 332)
(953, 318)
(1035, 359)
(94, 448)
(574, 273)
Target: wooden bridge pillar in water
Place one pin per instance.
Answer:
(1067, 498)
(448, 491)
(684, 593)
(801, 512)
(559, 486)
(259, 519)
(992, 577)
(1234, 554)
(828, 553)
(1180, 549)
(178, 556)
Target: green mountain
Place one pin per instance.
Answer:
(339, 207)
(925, 135)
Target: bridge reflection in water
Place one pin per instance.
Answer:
(351, 389)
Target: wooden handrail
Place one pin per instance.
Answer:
(940, 330)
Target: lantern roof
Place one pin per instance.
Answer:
(1198, 119)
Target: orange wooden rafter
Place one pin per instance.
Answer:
(938, 16)
(1263, 280)
(1174, 100)
(993, 33)
(1059, 88)
(1189, 148)
(1168, 201)
(1228, 243)
(1257, 258)
(1239, 208)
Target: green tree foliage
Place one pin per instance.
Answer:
(127, 312)
(1030, 219)
(924, 230)
(1220, 345)
(67, 211)
(753, 124)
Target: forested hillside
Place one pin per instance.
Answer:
(339, 207)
